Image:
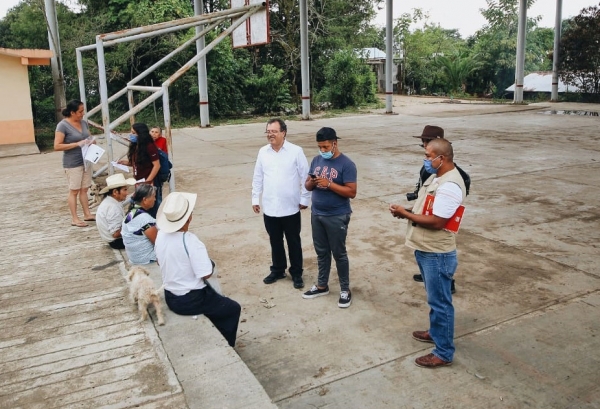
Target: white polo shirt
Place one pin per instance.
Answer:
(181, 272)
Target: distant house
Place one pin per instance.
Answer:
(541, 82)
(376, 58)
(16, 117)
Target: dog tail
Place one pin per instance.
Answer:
(157, 292)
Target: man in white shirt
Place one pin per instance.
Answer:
(187, 270)
(110, 214)
(435, 248)
(279, 174)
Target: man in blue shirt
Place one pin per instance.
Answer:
(332, 180)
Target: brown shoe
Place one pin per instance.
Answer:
(431, 361)
(423, 336)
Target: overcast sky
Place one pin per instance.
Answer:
(462, 14)
(466, 17)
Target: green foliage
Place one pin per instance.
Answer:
(349, 81)
(267, 91)
(421, 48)
(580, 53)
(456, 68)
(496, 45)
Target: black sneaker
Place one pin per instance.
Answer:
(345, 299)
(418, 278)
(271, 278)
(452, 287)
(315, 292)
(298, 282)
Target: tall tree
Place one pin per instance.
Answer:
(496, 44)
(580, 51)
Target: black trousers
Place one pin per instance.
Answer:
(289, 226)
(117, 244)
(223, 312)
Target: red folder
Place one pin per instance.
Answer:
(453, 223)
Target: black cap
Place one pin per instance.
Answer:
(326, 134)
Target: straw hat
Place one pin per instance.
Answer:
(175, 211)
(115, 181)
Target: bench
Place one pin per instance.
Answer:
(210, 372)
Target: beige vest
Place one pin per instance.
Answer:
(433, 241)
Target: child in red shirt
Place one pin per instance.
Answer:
(159, 140)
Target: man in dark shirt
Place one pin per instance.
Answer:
(332, 180)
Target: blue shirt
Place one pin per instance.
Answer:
(340, 170)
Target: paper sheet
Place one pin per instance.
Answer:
(92, 153)
(120, 167)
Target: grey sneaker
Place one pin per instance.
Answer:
(345, 299)
(315, 292)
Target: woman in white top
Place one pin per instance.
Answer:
(185, 267)
(139, 228)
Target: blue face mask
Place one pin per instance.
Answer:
(429, 167)
(328, 155)
(133, 138)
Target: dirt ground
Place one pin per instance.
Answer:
(527, 285)
(526, 252)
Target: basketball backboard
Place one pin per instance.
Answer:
(255, 30)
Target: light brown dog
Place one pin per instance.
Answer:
(94, 196)
(143, 292)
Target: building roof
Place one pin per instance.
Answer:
(542, 82)
(373, 53)
(29, 56)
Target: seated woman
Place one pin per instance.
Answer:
(139, 227)
(185, 267)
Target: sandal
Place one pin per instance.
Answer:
(80, 224)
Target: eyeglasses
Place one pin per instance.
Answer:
(271, 132)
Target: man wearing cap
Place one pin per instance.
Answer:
(430, 132)
(110, 214)
(332, 180)
(435, 248)
(185, 268)
(279, 174)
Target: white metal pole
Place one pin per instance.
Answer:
(81, 79)
(520, 69)
(58, 79)
(202, 76)
(104, 101)
(389, 55)
(557, 34)
(167, 119)
(304, 61)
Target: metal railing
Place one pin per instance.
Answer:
(240, 14)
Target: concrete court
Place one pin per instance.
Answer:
(526, 306)
(527, 300)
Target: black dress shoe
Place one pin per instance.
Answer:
(271, 278)
(298, 282)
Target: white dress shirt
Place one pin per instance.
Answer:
(280, 177)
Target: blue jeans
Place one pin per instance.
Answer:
(437, 270)
(329, 238)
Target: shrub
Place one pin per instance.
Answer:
(349, 81)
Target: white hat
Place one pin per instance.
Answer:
(115, 181)
(175, 211)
